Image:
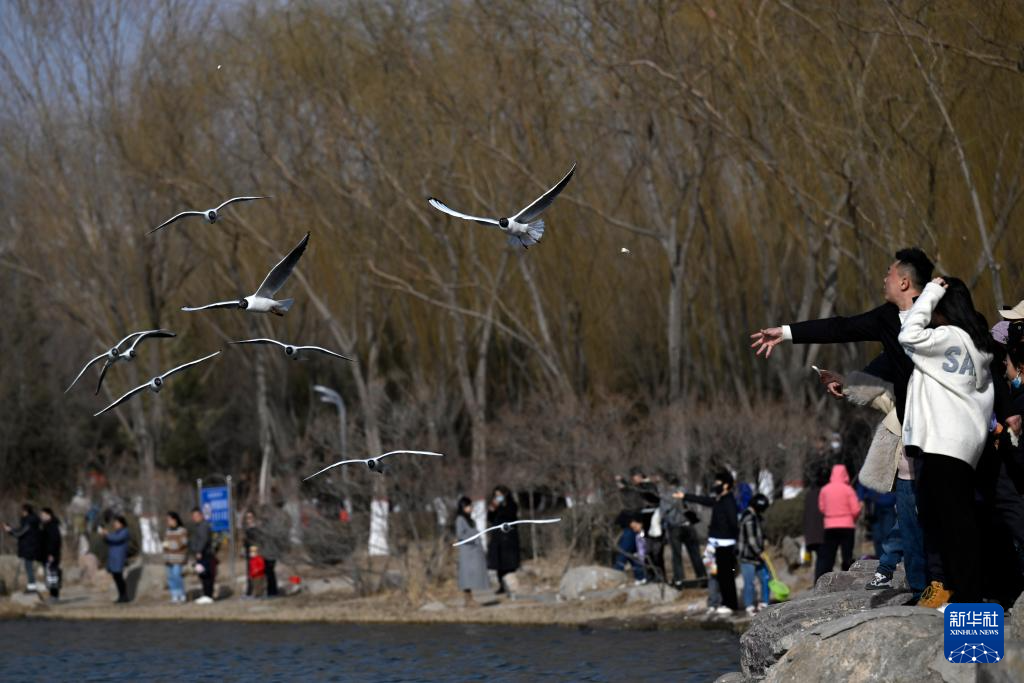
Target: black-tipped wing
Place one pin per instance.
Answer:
(153, 333)
(123, 399)
(444, 208)
(171, 220)
(188, 365)
(82, 371)
(530, 213)
(238, 199)
(260, 341)
(320, 349)
(103, 373)
(219, 304)
(277, 277)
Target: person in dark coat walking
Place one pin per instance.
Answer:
(723, 533)
(29, 542)
(814, 521)
(50, 551)
(117, 554)
(200, 548)
(503, 549)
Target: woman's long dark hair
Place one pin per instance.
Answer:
(460, 511)
(53, 517)
(957, 307)
(176, 517)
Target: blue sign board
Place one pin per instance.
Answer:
(973, 633)
(213, 501)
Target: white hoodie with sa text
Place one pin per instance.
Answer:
(950, 394)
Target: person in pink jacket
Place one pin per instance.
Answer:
(838, 503)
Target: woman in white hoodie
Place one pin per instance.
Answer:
(949, 408)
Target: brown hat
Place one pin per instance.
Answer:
(1015, 313)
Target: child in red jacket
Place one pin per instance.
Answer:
(257, 572)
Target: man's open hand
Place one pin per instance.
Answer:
(766, 339)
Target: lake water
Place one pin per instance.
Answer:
(49, 650)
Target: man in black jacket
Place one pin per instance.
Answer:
(723, 531)
(903, 282)
(28, 535)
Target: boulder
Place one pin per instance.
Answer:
(790, 551)
(335, 584)
(779, 627)
(654, 593)
(1015, 623)
(11, 566)
(147, 581)
(512, 583)
(864, 566)
(833, 582)
(1009, 670)
(580, 580)
(733, 677)
(887, 644)
(28, 599)
(434, 607)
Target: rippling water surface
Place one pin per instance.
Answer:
(48, 650)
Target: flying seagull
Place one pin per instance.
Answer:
(211, 215)
(292, 351)
(115, 354)
(526, 227)
(373, 463)
(506, 527)
(155, 384)
(262, 301)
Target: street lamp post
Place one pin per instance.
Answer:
(328, 395)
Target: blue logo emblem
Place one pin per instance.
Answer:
(973, 633)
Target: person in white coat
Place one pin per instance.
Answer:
(948, 413)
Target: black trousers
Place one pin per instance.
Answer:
(271, 576)
(725, 558)
(209, 575)
(945, 504)
(678, 537)
(655, 559)
(835, 539)
(122, 587)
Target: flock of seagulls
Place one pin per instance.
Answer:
(524, 229)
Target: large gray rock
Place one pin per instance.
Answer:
(147, 582)
(780, 627)
(341, 585)
(579, 580)
(791, 552)
(1015, 624)
(889, 644)
(10, 566)
(834, 582)
(733, 677)
(1009, 670)
(654, 593)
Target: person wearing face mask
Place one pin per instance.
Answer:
(723, 532)
(1011, 439)
(503, 548)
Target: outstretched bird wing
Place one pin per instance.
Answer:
(151, 333)
(535, 209)
(123, 398)
(189, 364)
(340, 462)
(260, 340)
(321, 349)
(536, 521)
(82, 371)
(103, 373)
(171, 220)
(219, 304)
(384, 455)
(476, 536)
(238, 199)
(441, 206)
(279, 274)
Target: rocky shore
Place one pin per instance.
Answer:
(840, 631)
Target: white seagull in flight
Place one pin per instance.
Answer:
(262, 301)
(524, 229)
(506, 527)
(211, 215)
(115, 354)
(373, 463)
(293, 351)
(155, 384)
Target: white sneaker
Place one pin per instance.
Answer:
(640, 582)
(204, 600)
(723, 611)
(710, 610)
(750, 609)
(32, 587)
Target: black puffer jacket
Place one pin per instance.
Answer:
(29, 537)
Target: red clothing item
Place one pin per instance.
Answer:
(257, 567)
(838, 501)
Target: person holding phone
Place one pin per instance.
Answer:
(117, 554)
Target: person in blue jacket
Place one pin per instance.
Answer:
(117, 554)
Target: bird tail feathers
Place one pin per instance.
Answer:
(534, 232)
(285, 305)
